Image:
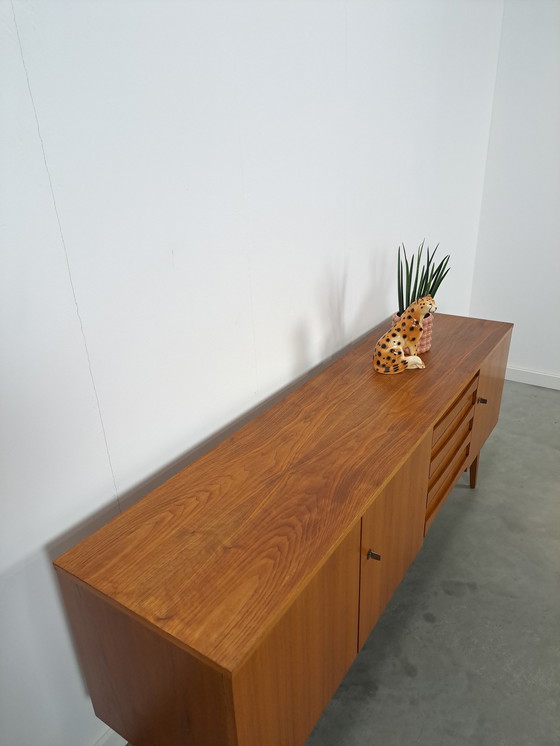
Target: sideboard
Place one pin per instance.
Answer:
(225, 607)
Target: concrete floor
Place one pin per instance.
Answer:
(468, 650)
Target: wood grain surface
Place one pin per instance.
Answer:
(151, 692)
(284, 686)
(215, 556)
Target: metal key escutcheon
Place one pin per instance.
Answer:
(373, 555)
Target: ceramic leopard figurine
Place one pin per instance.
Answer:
(389, 356)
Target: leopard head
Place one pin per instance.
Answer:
(421, 307)
(428, 303)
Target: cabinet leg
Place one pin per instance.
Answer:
(473, 472)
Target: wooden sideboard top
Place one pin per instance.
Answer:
(214, 556)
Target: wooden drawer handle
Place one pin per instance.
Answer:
(373, 555)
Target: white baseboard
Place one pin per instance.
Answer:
(533, 377)
(110, 738)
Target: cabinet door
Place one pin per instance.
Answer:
(489, 395)
(392, 534)
(282, 689)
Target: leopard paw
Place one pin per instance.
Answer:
(413, 361)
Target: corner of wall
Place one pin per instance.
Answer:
(483, 186)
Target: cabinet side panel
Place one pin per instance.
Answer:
(142, 685)
(282, 689)
(393, 528)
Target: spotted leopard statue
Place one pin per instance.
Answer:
(390, 351)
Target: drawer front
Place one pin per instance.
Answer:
(447, 423)
(446, 477)
(451, 438)
(450, 444)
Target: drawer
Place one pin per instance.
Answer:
(455, 414)
(451, 441)
(438, 493)
(451, 438)
(445, 477)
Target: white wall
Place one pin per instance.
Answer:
(517, 273)
(199, 202)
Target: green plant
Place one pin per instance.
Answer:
(417, 278)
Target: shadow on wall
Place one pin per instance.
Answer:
(379, 294)
(41, 686)
(69, 539)
(331, 303)
(333, 310)
(334, 303)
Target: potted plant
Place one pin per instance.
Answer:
(417, 277)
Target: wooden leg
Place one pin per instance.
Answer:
(473, 472)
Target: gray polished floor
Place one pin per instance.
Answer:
(468, 650)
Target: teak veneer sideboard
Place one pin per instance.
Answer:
(225, 607)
